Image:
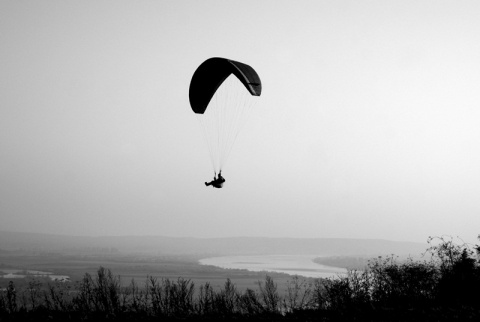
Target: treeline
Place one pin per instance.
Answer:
(445, 287)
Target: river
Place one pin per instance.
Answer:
(301, 265)
(17, 273)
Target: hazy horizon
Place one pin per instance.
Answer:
(367, 126)
(64, 234)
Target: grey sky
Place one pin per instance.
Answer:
(367, 127)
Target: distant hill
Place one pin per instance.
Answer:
(160, 245)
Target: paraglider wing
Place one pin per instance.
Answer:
(221, 104)
(212, 73)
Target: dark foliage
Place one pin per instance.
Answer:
(446, 287)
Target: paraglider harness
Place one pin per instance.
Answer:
(217, 182)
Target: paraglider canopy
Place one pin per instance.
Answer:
(222, 93)
(212, 73)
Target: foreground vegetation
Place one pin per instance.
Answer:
(444, 287)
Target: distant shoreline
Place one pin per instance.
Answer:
(302, 265)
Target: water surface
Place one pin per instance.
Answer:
(17, 273)
(301, 265)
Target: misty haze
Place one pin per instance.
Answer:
(305, 160)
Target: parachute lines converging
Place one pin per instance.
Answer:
(222, 94)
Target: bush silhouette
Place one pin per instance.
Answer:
(443, 287)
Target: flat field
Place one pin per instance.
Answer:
(132, 266)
